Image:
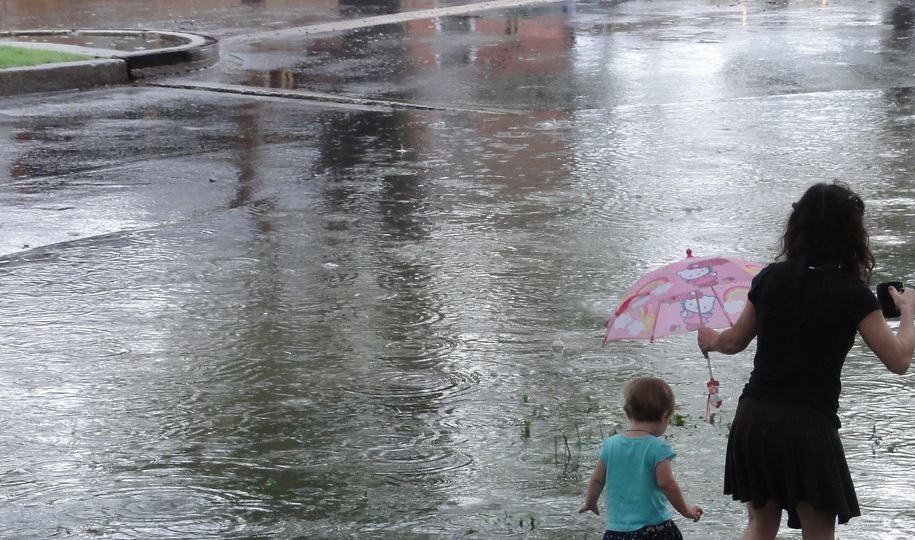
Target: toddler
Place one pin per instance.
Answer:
(635, 468)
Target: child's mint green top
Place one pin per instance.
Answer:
(633, 497)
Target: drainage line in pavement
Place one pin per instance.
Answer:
(332, 99)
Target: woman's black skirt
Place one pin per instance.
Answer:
(788, 454)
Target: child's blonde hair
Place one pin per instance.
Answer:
(648, 399)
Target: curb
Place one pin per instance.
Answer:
(63, 76)
(199, 56)
(111, 66)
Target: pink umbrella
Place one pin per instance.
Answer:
(683, 297)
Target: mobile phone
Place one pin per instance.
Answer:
(886, 301)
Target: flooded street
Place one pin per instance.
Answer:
(379, 314)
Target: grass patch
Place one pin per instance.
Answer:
(19, 57)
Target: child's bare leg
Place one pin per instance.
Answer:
(763, 522)
(816, 525)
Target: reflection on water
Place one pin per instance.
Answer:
(902, 17)
(343, 323)
(492, 58)
(365, 337)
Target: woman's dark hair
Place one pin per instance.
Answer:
(648, 399)
(826, 230)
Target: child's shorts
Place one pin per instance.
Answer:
(662, 531)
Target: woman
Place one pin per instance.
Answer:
(783, 449)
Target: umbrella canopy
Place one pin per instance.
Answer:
(684, 296)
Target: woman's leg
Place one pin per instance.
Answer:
(763, 522)
(816, 525)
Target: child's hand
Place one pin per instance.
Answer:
(693, 512)
(592, 507)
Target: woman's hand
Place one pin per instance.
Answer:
(904, 300)
(732, 340)
(706, 338)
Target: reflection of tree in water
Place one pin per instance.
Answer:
(372, 56)
(899, 133)
(897, 42)
(899, 101)
(367, 176)
(258, 333)
(532, 62)
(246, 152)
(263, 456)
(266, 306)
(349, 142)
(357, 142)
(259, 316)
(902, 17)
(895, 158)
(899, 127)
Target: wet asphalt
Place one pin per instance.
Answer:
(556, 59)
(314, 289)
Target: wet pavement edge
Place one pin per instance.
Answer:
(110, 67)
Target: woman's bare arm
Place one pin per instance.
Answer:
(894, 350)
(734, 339)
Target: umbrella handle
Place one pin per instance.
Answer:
(712, 399)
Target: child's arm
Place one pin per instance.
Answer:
(665, 477)
(595, 486)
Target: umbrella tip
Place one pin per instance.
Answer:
(689, 253)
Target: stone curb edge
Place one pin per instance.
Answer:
(63, 76)
(110, 67)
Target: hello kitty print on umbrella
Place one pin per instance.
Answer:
(683, 297)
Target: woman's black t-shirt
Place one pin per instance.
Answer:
(806, 324)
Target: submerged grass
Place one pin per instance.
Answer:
(20, 57)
